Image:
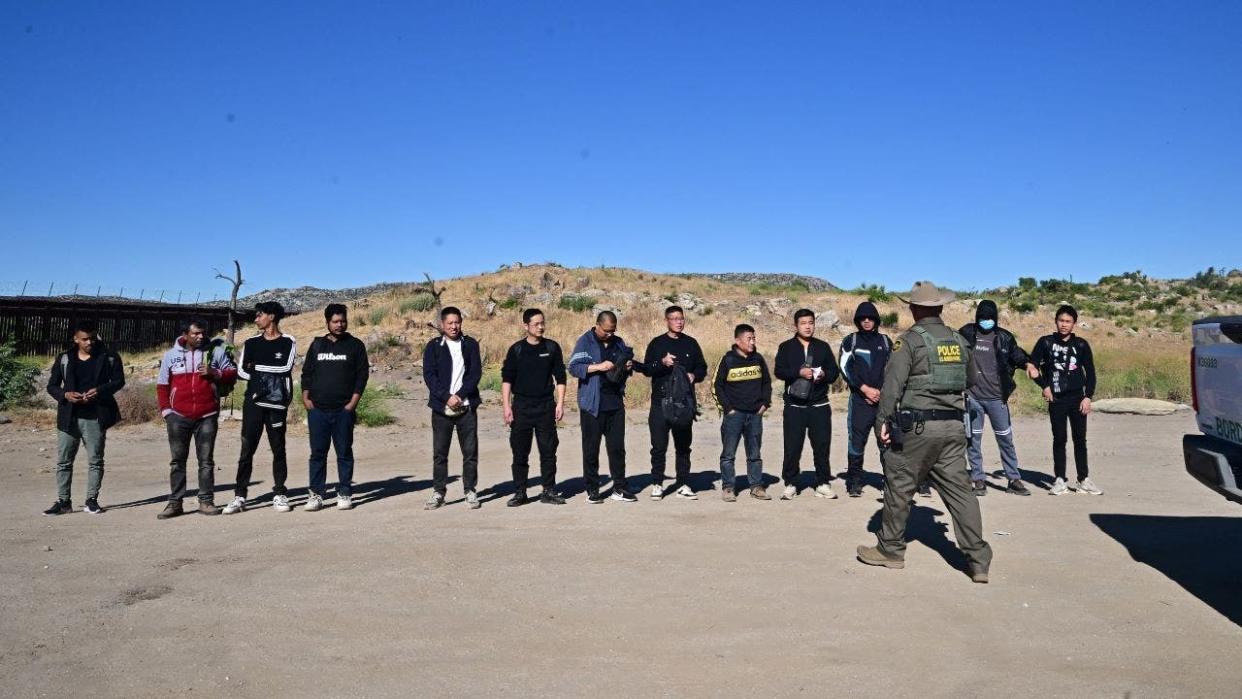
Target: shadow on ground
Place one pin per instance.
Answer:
(1199, 553)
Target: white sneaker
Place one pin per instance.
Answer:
(280, 503)
(436, 501)
(344, 502)
(824, 490)
(314, 503)
(472, 499)
(1058, 487)
(237, 504)
(1086, 486)
(687, 492)
(657, 491)
(789, 493)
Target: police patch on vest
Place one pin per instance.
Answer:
(949, 352)
(744, 373)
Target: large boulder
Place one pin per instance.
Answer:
(1135, 406)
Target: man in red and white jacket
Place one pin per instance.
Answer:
(192, 376)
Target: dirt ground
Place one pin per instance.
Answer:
(1136, 593)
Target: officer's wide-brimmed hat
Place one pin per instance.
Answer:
(927, 294)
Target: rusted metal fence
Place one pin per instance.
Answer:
(42, 326)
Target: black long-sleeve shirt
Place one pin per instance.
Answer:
(689, 356)
(334, 371)
(1065, 365)
(791, 356)
(742, 383)
(532, 371)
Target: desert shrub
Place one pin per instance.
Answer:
(889, 320)
(137, 403)
(576, 303)
(1022, 306)
(17, 376)
(372, 411)
(417, 303)
(1026, 282)
(491, 379)
(511, 303)
(377, 315)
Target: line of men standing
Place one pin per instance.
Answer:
(976, 363)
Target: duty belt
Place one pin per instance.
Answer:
(930, 415)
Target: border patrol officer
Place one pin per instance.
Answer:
(920, 421)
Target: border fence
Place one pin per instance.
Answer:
(41, 325)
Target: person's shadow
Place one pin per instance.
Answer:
(190, 494)
(923, 527)
(374, 491)
(1198, 553)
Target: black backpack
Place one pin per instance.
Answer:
(679, 406)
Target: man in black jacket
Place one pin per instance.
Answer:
(532, 391)
(334, 375)
(743, 390)
(864, 354)
(996, 357)
(266, 364)
(807, 366)
(1066, 371)
(452, 368)
(83, 381)
(666, 353)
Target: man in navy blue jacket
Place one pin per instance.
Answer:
(452, 367)
(602, 363)
(864, 354)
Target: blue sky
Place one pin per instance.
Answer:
(337, 144)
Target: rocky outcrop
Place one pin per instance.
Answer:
(1136, 406)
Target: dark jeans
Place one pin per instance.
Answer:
(203, 432)
(682, 439)
(799, 422)
(256, 419)
(736, 427)
(331, 428)
(442, 427)
(534, 419)
(1062, 409)
(860, 419)
(609, 426)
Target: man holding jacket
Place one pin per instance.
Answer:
(193, 372)
(266, 364)
(864, 354)
(807, 366)
(602, 362)
(996, 357)
(334, 375)
(666, 353)
(83, 381)
(452, 368)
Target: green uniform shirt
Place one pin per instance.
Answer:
(909, 358)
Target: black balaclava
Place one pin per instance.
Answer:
(986, 311)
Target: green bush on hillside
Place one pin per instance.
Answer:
(17, 377)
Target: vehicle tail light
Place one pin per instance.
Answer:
(1194, 384)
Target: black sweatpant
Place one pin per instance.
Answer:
(1062, 409)
(442, 427)
(682, 439)
(610, 426)
(256, 419)
(533, 419)
(861, 422)
(799, 422)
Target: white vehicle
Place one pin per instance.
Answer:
(1215, 457)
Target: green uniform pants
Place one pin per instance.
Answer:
(939, 452)
(88, 432)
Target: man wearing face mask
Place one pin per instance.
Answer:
(997, 356)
